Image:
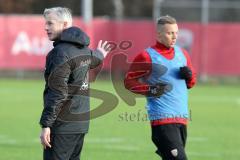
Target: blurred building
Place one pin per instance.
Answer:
(219, 10)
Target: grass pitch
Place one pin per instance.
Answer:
(124, 133)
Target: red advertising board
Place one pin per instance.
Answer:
(213, 48)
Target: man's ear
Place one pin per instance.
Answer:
(65, 25)
(158, 35)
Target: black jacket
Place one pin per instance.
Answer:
(66, 98)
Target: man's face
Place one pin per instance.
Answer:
(53, 26)
(167, 34)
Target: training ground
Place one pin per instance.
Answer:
(124, 133)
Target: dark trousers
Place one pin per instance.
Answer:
(64, 147)
(170, 140)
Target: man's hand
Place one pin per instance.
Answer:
(104, 47)
(45, 137)
(185, 73)
(156, 90)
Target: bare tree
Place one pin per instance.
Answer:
(14, 6)
(118, 9)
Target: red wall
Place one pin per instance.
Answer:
(213, 48)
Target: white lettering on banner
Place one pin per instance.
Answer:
(35, 46)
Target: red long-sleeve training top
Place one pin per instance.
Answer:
(132, 79)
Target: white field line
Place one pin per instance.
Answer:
(2, 136)
(5, 140)
(119, 144)
(36, 140)
(134, 148)
(215, 99)
(8, 141)
(197, 139)
(113, 144)
(238, 101)
(204, 154)
(94, 140)
(104, 140)
(121, 140)
(117, 140)
(122, 147)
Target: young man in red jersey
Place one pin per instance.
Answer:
(164, 72)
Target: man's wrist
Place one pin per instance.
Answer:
(44, 126)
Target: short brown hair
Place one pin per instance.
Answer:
(166, 20)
